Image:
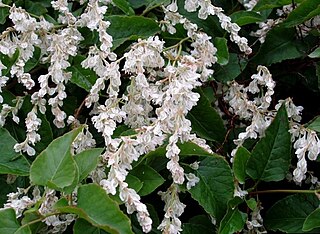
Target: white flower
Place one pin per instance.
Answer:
(173, 208)
(19, 201)
(293, 111)
(192, 180)
(191, 5)
(307, 144)
(83, 141)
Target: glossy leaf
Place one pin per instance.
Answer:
(269, 4)
(86, 161)
(10, 161)
(34, 61)
(147, 3)
(222, 50)
(8, 61)
(289, 214)
(215, 187)
(231, 70)
(312, 221)
(205, 120)
(150, 178)
(251, 203)
(270, 158)
(246, 17)
(9, 223)
(94, 201)
(82, 77)
(4, 13)
(315, 53)
(302, 12)
(55, 167)
(280, 44)
(45, 132)
(233, 221)
(81, 226)
(124, 6)
(314, 124)
(33, 215)
(239, 164)
(192, 149)
(124, 28)
(35, 8)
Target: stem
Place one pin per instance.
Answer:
(150, 9)
(78, 111)
(39, 219)
(176, 45)
(286, 191)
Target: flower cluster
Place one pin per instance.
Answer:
(173, 208)
(149, 88)
(282, 13)
(254, 109)
(257, 111)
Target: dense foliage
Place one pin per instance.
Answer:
(159, 116)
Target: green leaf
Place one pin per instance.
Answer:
(246, 17)
(233, 221)
(10, 161)
(150, 178)
(205, 120)
(55, 167)
(315, 53)
(215, 187)
(94, 201)
(270, 4)
(239, 164)
(87, 160)
(193, 228)
(312, 221)
(4, 13)
(35, 8)
(280, 44)
(34, 60)
(134, 182)
(289, 214)
(148, 3)
(192, 149)
(203, 220)
(252, 203)
(124, 28)
(9, 61)
(8, 221)
(124, 6)
(231, 70)
(90, 38)
(270, 158)
(314, 124)
(45, 132)
(30, 216)
(82, 77)
(81, 226)
(70, 188)
(303, 12)
(222, 50)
